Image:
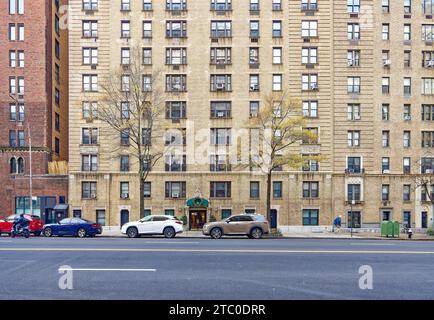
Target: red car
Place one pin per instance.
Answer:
(35, 224)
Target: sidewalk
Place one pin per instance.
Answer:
(115, 233)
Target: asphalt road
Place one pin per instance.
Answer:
(228, 269)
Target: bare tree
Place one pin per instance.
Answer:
(424, 178)
(131, 106)
(280, 124)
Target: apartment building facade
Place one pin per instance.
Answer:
(219, 59)
(34, 106)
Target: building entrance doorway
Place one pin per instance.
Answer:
(125, 217)
(197, 219)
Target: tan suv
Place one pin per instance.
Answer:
(252, 225)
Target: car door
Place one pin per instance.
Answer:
(245, 225)
(144, 225)
(64, 227)
(76, 224)
(232, 225)
(158, 224)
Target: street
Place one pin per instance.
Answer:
(158, 268)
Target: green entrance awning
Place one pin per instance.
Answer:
(197, 202)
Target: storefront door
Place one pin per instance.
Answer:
(197, 219)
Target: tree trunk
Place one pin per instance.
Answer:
(142, 198)
(268, 213)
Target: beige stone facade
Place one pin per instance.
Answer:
(322, 74)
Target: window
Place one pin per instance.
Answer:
(428, 59)
(147, 29)
(125, 56)
(427, 139)
(13, 166)
(407, 139)
(253, 108)
(385, 85)
(125, 83)
(175, 189)
(254, 83)
(147, 189)
(147, 56)
(406, 165)
(176, 56)
(21, 140)
(385, 165)
(427, 165)
(16, 59)
(16, 112)
(428, 32)
(89, 162)
(407, 32)
(310, 189)
(309, 55)
(310, 109)
(88, 190)
(309, 82)
(277, 29)
(385, 112)
(254, 5)
(125, 29)
(176, 29)
(313, 139)
(16, 32)
(176, 109)
(353, 31)
(310, 165)
(277, 55)
(221, 82)
(353, 57)
(12, 138)
(175, 163)
(385, 138)
(307, 5)
(385, 6)
(353, 111)
(424, 193)
(125, 137)
(277, 5)
(176, 5)
(220, 136)
(221, 109)
(219, 163)
(57, 122)
(254, 189)
(90, 29)
(89, 136)
(406, 192)
(277, 82)
(20, 163)
(354, 165)
(427, 112)
(90, 83)
(176, 83)
(353, 192)
(226, 213)
(221, 5)
(221, 56)
(353, 6)
(277, 189)
(406, 218)
(385, 31)
(353, 85)
(146, 136)
(310, 217)
(100, 217)
(124, 190)
(353, 138)
(407, 86)
(309, 29)
(254, 56)
(385, 192)
(124, 163)
(147, 5)
(221, 29)
(90, 5)
(427, 6)
(407, 58)
(147, 83)
(90, 110)
(254, 29)
(427, 86)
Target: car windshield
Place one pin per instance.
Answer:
(145, 219)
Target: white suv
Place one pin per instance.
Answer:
(153, 225)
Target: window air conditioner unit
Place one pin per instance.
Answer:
(220, 114)
(429, 171)
(93, 195)
(254, 87)
(357, 117)
(350, 63)
(125, 195)
(386, 171)
(220, 86)
(430, 64)
(407, 118)
(175, 195)
(350, 170)
(386, 62)
(314, 86)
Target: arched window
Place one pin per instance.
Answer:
(20, 166)
(13, 166)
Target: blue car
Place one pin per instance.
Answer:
(75, 227)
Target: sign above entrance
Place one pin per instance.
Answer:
(197, 202)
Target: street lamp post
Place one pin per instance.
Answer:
(353, 202)
(30, 171)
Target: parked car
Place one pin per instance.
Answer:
(76, 227)
(35, 224)
(154, 225)
(252, 225)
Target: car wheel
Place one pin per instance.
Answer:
(12, 234)
(256, 233)
(132, 232)
(26, 233)
(48, 232)
(169, 232)
(81, 233)
(37, 234)
(216, 233)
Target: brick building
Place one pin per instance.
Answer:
(34, 104)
